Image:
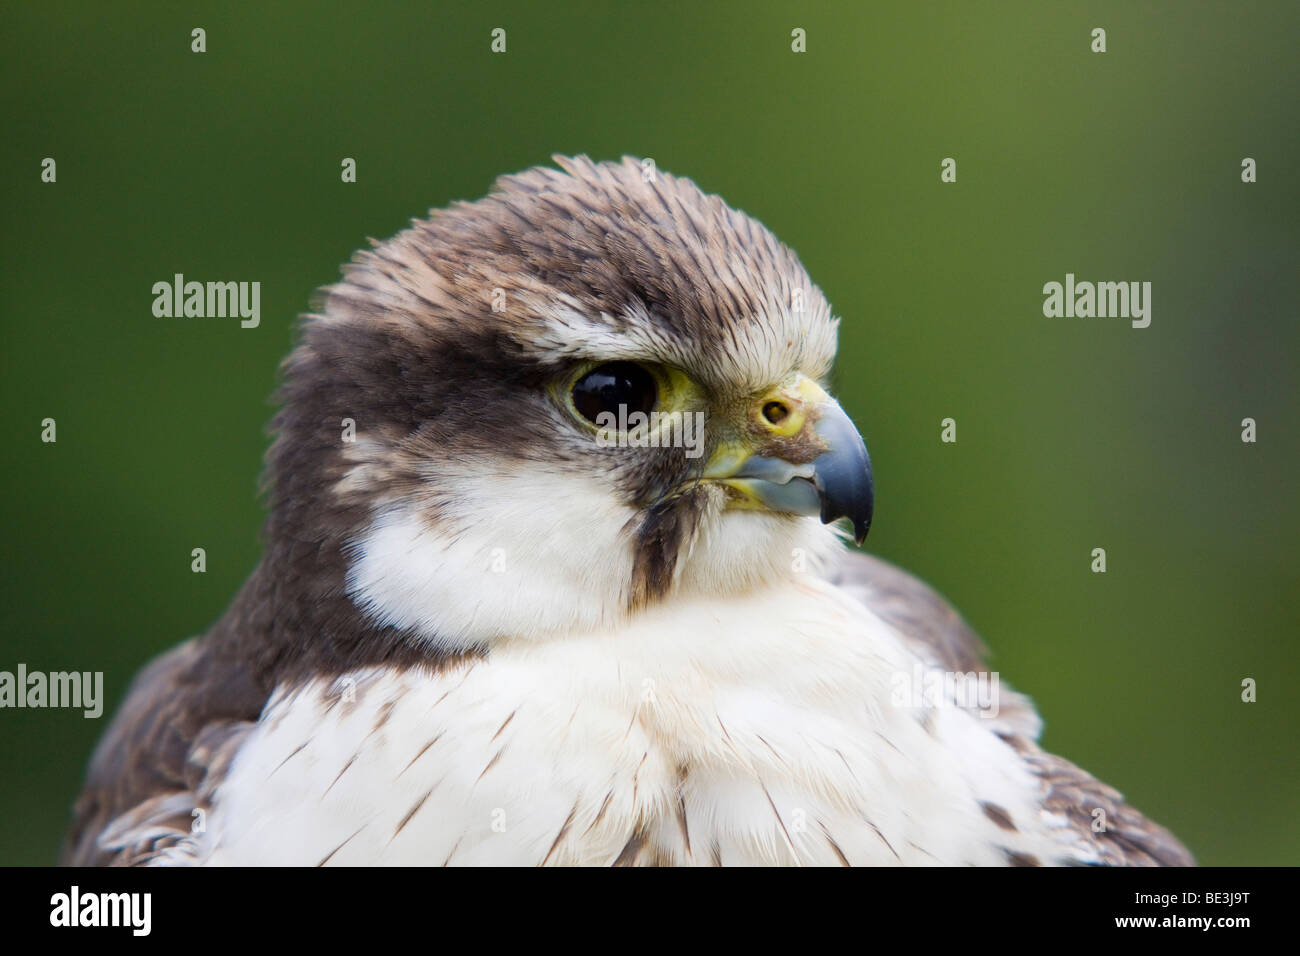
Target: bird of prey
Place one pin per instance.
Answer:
(508, 616)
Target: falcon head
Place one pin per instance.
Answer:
(592, 390)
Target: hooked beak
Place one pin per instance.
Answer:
(799, 453)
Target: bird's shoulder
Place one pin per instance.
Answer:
(1095, 818)
(1102, 826)
(915, 610)
(168, 746)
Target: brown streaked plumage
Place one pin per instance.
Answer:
(376, 571)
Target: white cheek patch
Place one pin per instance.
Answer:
(535, 554)
(527, 554)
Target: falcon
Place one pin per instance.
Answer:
(491, 628)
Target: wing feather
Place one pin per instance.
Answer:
(161, 758)
(1118, 835)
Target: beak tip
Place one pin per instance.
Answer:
(844, 477)
(861, 521)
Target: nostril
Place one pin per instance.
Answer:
(776, 412)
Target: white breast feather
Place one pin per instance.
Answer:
(764, 722)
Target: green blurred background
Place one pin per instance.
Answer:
(1072, 434)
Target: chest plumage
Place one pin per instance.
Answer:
(757, 731)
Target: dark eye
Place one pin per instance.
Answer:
(615, 384)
